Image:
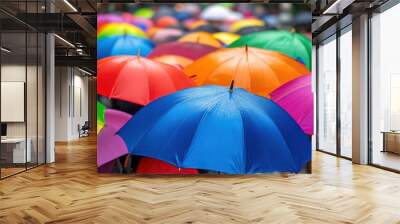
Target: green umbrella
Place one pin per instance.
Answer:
(292, 44)
(144, 13)
(100, 112)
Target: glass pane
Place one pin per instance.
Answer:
(346, 94)
(327, 96)
(41, 99)
(32, 96)
(13, 86)
(385, 114)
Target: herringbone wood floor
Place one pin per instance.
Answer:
(71, 191)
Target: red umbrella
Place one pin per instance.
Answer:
(166, 21)
(138, 80)
(154, 166)
(189, 50)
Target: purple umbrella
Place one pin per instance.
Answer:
(185, 49)
(109, 145)
(296, 98)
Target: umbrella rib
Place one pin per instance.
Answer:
(274, 124)
(201, 120)
(215, 68)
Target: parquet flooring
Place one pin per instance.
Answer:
(71, 191)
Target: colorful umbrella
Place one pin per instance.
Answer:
(155, 166)
(144, 13)
(220, 129)
(109, 145)
(225, 37)
(100, 111)
(292, 44)
(189, 50)
(201, 38)
(138, 80)
(253, 29)
(206, 28)
(166, 21)
(256, 70)
(194, 23)
(296, 98)
(103, 19)
(114, 29)
(174, 60)
(123, 45)
(219, 13)
(245, 23)
(165, 35)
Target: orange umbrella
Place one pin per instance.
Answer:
(256, 70)
(202, 38)
(174, 60)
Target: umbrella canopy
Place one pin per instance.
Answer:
(213, 128)
(109, 145)
(206, 28)
(114, 29)
(155, 166)
(225, 37)
(166, 21)
(201, 38)
(194, 23)
(165, 35)
(256, 70)
(189, 50)
(100, 111)
(144, 13)
(103, 19)
(245, 23)
(219, 13)
(138, 80)
(296, 98)
(174, 60)
(253, 29)
(100, 126)
(123, 45)
(292, 44)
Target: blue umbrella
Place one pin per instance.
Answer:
(213, 128)
(123, 45)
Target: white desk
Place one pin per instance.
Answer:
(18, 149)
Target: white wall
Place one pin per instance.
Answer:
(71, 93)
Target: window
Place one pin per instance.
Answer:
(346, 92)
(327, 96)
(385, 89)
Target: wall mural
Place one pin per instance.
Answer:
(204, 88)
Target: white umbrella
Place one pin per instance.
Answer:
(219, 13)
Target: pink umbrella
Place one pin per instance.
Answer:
(109, 145)
(166, 34)
(189, 50)
(296, 98)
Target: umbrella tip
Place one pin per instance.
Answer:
(138, 52)
(231, 87)
(246, 47)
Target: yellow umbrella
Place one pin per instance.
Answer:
(245, 23)
(226, 38)
(201, 38)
